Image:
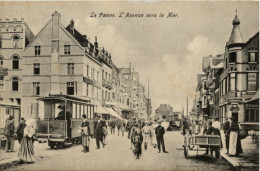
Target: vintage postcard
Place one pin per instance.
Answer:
(129, 85)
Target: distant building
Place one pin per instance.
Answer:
(164, 111)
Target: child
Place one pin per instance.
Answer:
(137, 140)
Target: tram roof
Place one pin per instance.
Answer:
(64, 98)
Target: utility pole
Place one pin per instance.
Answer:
(187, 108)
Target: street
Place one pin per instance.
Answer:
(117, 156)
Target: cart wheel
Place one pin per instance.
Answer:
(217, 153)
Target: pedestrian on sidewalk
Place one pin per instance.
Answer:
(159, 131)
(99, 131)
(137, 141)
(26, 151)
(20, 130)
(9, 134)
(85, 133)
(112, 126)
(235, 147)
(105, 132)
(146, 134)
(227, 133)
(216, 126)
(197, 128)
(131, 130)
(153, 139)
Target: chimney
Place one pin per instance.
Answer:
(55, 31)
(96, 43)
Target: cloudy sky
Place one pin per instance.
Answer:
(168, 50)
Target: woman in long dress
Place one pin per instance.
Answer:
(26, 151)
(154, 141)
(235, 147)
(85, 134)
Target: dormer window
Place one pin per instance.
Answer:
(252, 56)
(232, 57)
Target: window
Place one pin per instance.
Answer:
(15, 84)
(15, 41)
(15, 62)
(113, 95)
(232, 57)
(1, 83)
(108, 77)
(232, 81)
(108, 95)
(252, 56)
(252, 82)
(36, 69)
(87, 89)
(102, 94)
(70, 88)
(103, 74)
(36, 89)
(0, 42)
(37, 50)
(67, 49)
(92, 93)
(70, 68)
(97, 76)
(252, 115)
(97, 92)
(1, 61)
(87, 71)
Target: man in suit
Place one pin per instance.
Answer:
(9, 134)
(159, 131)
(99, 131)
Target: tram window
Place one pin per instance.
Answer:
(70, 88)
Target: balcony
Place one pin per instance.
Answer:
(107, 84)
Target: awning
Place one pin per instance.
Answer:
(256, 97)
(101, 109)
(112, 112)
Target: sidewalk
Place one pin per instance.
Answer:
(12, 158)
(250, 156)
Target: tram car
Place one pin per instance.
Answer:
(62, 119)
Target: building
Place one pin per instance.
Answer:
(15, 35)
(239, 80)
(60, 60)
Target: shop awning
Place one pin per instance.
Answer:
(255, 97)
(112, 112)
(101, 109)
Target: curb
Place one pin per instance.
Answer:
(236, 164)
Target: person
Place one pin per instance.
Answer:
(26, 151)
(197, 128)
(154, 141)
(235, 147)
(185, 127)
(99, 132)
(132, 133)
(216, 124)
(105, 132)
(146, 130)
(208, 130)
(137, 141)
(112, 126)
(227, 133)
(61, 116)
(159, 131)
(9, 134)
(119, 125)
(20, 130)
(130, 126)
(85, 133)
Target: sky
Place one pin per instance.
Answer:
(167, 50)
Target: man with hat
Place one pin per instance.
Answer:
(159, 132)
(146, 134)
(99, 131)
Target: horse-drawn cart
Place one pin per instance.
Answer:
(201, 142)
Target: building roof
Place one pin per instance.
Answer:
(236, 36)
(79, 37)
(205, 63)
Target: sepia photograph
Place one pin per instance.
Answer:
(129, 85)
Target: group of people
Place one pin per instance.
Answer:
(231, 130)
(25, 133)
(144, 132)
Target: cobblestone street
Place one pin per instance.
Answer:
(117, 156)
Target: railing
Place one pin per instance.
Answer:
(107, 84)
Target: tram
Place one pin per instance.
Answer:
(62, 119)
